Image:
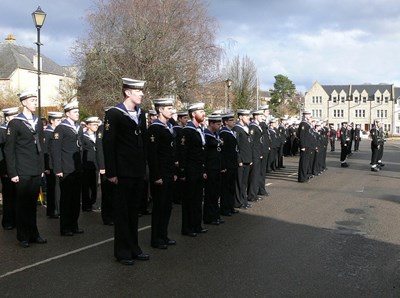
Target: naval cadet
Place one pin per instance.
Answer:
(67, 160)
(282, 136)
(162, 171)
(25, 166)
(245, 158)
(52, 183)
(179, 185)
(192, 165)
(345, 140)
(213, 169)
(229, 165)
(257, 174)
(306, 143)
(125, 161)
(89, 164)
(8, 187)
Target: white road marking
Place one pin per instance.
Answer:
(64, 255)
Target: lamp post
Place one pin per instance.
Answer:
(228, 84)
(38, 17)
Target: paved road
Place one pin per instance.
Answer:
(337, 236)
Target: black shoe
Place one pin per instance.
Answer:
(54, 216)
(142, 257)
(226, 213)
(24, 244)
(282, 167)
(128, 262)
(145, 212)
(8, 227)
(344, 165)
(190, 234)
(87, 209)
(375, 169)
(109, 223)
(39, 240)
(214, 222)
(170, 242)
(67, 233)
(159, 246)
(234, 211)
(202, 230)
(78, 231)
(381, 164)
(221, 221)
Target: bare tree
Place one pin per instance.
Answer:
(243, 73)
(168, 43)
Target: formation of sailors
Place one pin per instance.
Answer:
(212, 167)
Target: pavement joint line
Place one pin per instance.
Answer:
(63, 255)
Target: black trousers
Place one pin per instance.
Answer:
(242, 182)
(192, 204)
(261, 189)
(272, 157)
(304, 164)
(344, 151)
(161, 213)
(107, 189)
(380, 153)
(26, 193)
(254, 179)
(70, 200)
(280, 155)
(211, 197)
(228, 180)
(356, 144)
(332, 142)
(127, 195)
(51, 185)
(9, 203)
(89, 188)
(374, 155)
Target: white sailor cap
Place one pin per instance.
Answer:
(258, 112)
(92, 119)
(163, 102)
(214, 118)
(182, 113)
(272, 120)
(263, 107)
(27, 94)
(306, 112)
(55, 115)
(227, 116)
(217, 112)
(152, 113)
(243, 112)
(195, 107)
(10, 111)
(71, 106)
(132, 84)
(284, 117)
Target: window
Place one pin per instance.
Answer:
(313, 99)
(397, 129)
(359, 113)
(320, 99)
(364, 99)
(334, 99)
(385, 113)
(356, 99)
(342, 98)
(378, 99)
(386, 99)
(338, 113)
(398, 116)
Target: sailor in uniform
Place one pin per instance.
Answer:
(8, 188)
(25, 166)
(67, 160)
(125, 166)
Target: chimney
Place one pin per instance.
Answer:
(10, 39)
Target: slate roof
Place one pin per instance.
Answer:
(369, 88)
(13, 56)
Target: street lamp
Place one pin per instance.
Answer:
(38, 17)
(228, 84)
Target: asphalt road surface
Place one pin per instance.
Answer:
(337, 236)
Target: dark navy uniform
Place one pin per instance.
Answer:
(8, 187)
(256, 172)
(67, 159)
(213, 182)
(124, 152)
(24, 158)
(90, 171)
(245, 157)
(306, 150)
(345, 140)
(332, 138)
(192, 166)
(161, 162)
(107, 187)
(229, 164)
(282, 135)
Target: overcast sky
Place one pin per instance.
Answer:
(332, 41)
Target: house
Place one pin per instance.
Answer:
(360, 104)
(18, 72)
